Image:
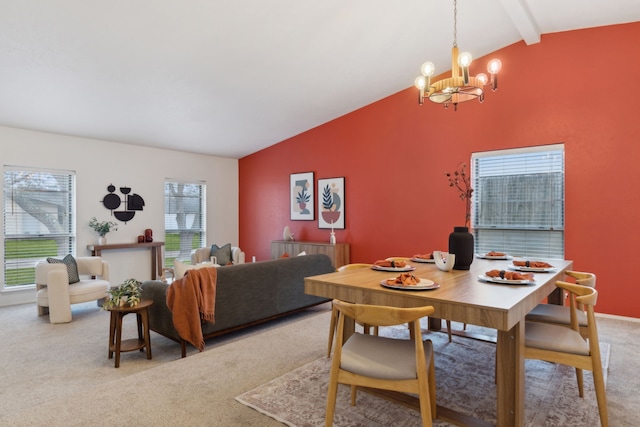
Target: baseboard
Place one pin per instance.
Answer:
(616, 317)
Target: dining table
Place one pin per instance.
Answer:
(462, 296)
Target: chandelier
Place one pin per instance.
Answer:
(460, 87)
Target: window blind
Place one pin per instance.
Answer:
(184, 218)
(38, 220)
(518, 203)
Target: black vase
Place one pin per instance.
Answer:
(461, 244)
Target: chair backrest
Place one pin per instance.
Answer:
(200, 255)
(582, 278)
(354, 266)
(584, 297)
(93, 266)
(380, 315)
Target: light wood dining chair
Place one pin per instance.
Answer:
(448, 322)
(559, 344)
(334, 311)
(560, 314)
(383, 363)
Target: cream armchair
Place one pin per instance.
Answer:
(204, 254)
(54, 294)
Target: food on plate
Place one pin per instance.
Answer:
(494, 253)
(509, 275)
(390, 263)
(405, 279)
(533, 264)
(424, 256)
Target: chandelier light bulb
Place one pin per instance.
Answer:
(428, 69)
(464, 59)
(494, 66)
(421, 82)
(483, 78)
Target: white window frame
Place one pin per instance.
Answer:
(53, 194)
(195, 222)
(518, 201)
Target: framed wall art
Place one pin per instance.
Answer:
(331, 203)
(302, 196)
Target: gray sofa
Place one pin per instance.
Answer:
(246, 294)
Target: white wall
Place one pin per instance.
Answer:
(99, 163)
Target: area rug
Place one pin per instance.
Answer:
(465, 383)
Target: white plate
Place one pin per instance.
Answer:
(532, 269)
(430, 261)
(424, 285)
(381, 268)
(505, 281)
(485, 256)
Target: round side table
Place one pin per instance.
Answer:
(116, 344)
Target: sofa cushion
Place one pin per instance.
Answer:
(72, 267)
(222, 253)
(180, 268)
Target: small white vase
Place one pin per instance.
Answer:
(102, 241)
(444, 260)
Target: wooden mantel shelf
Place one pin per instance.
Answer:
(156, 255)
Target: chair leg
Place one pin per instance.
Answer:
(432, 387)
(601, 397)
(580, 379)
(331, 400)
(354, 393)
(332, 329)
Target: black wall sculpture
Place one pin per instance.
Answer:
(132, 203)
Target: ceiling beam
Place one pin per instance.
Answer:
(522, 19)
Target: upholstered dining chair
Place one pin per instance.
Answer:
(334, 311)
(448, 322)
(385, 363)
(559, 344)
(560, 314)
(55, 293)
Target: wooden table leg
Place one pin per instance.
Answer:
(112, 333)
(145, 324)
(119, 316)
(435, 324)
(510, 376)
(154, 260)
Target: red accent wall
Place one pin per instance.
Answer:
(576, 88)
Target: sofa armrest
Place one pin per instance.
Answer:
(160, 317)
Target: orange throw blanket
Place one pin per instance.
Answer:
(192, 299)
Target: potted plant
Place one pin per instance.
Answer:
(128, 293)
(461, 242)
(102, 228)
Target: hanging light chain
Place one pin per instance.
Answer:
(455, 23)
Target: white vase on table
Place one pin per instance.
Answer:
(102, 241)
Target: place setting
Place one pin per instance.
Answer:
(495, 255)
(532, 266)
(409, 282)
(424, 258)
(505, 277)
(393, 265)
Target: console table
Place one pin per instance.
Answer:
(339, 252)
(156, 255)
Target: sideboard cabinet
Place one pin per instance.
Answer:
(339, 253)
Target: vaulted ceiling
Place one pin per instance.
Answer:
(231, 77)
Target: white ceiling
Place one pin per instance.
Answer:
(231, 77)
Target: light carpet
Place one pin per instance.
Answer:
(465, 383)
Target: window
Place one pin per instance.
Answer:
(184, 214)
(39, 221)
(518, 203)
